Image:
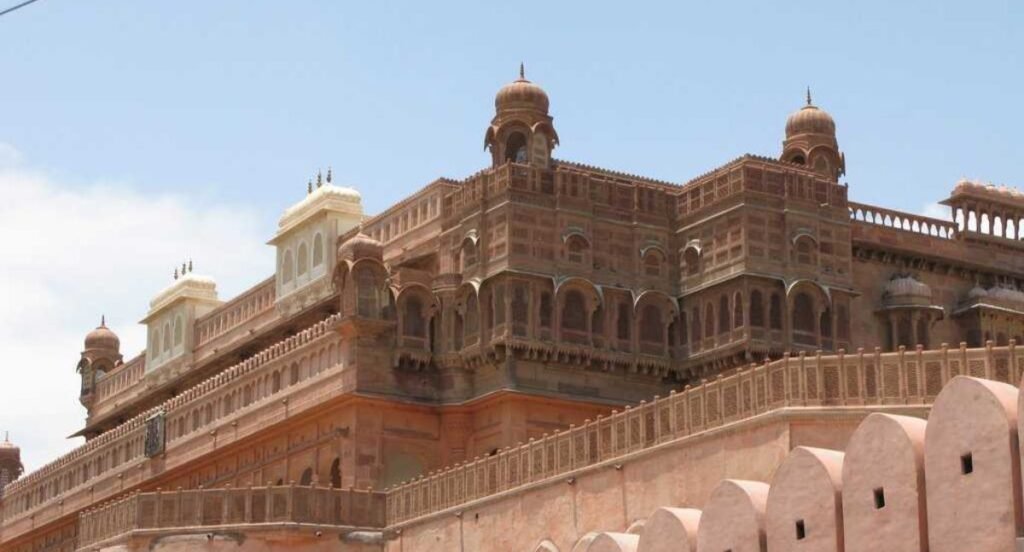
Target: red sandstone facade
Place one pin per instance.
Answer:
(536, 294)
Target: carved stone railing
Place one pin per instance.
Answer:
(98, 465)
(205, 508)
(235, 312)
(121, 378)
(860, 379)
(897, 220)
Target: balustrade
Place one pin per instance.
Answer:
(904, 377)
(308, 353)
(903, 221)
(189, 509)
(236, 312)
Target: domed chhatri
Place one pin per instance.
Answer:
(360, 246)
(521, 131)
(811, 141)
(102, 338)
(810, 119)
(521, 94)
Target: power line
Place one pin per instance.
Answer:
(19, 6)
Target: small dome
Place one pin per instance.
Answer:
(521, 94)
(907, 287)
(977, 292)
(810, 119)
(1010, 295)
(360, 246)
(102, 338)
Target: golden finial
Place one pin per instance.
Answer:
(309, 186)
(522, 71)
(808, 95)
(328, 175)
(319, 179)
(103, 321)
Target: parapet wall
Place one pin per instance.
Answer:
(854, 380)
(952, 483)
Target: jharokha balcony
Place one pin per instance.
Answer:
(309, 509)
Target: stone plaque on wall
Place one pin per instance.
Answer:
(155, 435)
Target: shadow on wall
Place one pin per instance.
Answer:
(950, 484)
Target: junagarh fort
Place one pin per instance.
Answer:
(548, 356)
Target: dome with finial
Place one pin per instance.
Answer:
(810, 119)
(521, 94)
(907, 290)
(360, 246)
(102, 338)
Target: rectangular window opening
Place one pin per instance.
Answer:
(967, 463)
(879, 498)
(801, 531)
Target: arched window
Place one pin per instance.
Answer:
(303, 259)
(650, 325)
(275, 382)
(287, 267)
(691, 260)
(366, 284)
(318, 250)
(737, 310)
(468, 254)
(756, 309)
(624, 321)
(293, 374)
(798, 159)
(307, 477)
(472, 315)
(520, 311)
(515, 148)
(696, 327)
(545, 309)
(336, 473)
(167, 337)
(775, 312)
(805, 251)
(652, 263)
(178, 331)
(709, 320)
(154, 344)
(576, 249)
(412, 318)
(803, 313)
(574, 312)
(723, 315)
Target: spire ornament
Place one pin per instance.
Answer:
(328, 175)
(319, 179)
(190, 265)
(103, 321)
(309, 186)
(809, 96)
(175, 272)
(522, 71)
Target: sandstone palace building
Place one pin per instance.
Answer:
(539, 355)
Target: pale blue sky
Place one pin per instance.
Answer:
(242, 101)
(134, 133)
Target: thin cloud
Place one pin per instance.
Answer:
(72, 253)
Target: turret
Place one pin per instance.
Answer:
(101, 354)
(10, 463)
(521, 131)
(811, 141)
